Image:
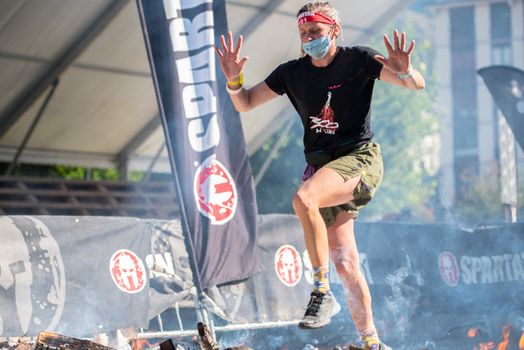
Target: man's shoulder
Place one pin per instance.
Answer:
(293, 64)
(357, 50)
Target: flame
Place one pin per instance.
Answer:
(140, 344)
(521, 342)
(45, 335)
(46, 338)
(504, 344)
(473, 332)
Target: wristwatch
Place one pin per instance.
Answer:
(406, 75)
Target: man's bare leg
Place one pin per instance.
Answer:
(344, 254)
(325, 188)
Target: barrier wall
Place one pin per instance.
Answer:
(85, 275)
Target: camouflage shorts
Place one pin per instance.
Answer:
(365, 161)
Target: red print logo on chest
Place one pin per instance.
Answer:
(334, 87)
(325, 120)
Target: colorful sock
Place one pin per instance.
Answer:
(321, 279)
(370, 339)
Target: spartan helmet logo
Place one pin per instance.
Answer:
(127, 271)
(31, 275)
(448, 268)
(215, 191)
(288, 265)
(16, 276)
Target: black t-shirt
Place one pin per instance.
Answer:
(334, 101)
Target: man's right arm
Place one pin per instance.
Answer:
(247, 99)
(229, 57)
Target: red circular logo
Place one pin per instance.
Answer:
(288, 265)
(127, 271)
(215, 191)
(448, 267)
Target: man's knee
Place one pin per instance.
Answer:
(304, 200)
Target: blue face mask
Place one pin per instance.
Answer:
(317, 48)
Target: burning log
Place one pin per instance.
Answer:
(53, 341)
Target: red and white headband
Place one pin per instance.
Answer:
(308, 16)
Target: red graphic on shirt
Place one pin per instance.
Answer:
(325, 120)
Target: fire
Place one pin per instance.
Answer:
(47, 336)
(507, 343)
(487, 346)
(473, 332)
(58, 341)
(506, 332)
(141, 344)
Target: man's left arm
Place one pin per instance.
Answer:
(397, 68)
(412, 79)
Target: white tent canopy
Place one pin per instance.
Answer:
(104, 110)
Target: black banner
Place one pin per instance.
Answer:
(281, 291)
(506, 85)
(444, 276)
(77, 276)
(451, 268)
(89, 275)
(204, 137)
(440, 275)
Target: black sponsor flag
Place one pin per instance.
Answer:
(204, 137)
(506, 85)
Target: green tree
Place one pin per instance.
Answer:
(276, 189)
(80, 173)
(406, 127)
(480, 201)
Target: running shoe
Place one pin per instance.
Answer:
(318, 312)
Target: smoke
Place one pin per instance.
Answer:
(401, 305)
(236, 339)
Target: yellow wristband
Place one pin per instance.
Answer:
(239, 81)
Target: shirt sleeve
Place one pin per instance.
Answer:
(373, 67)
(275, 80)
